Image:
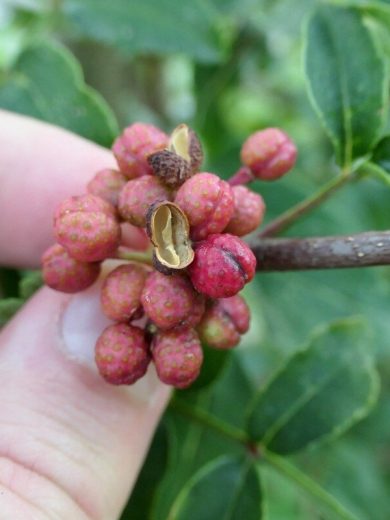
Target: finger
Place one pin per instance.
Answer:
(70, 445)
(40, 165)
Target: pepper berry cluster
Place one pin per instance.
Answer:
(187, 294)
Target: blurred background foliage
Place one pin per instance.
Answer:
(227, 68)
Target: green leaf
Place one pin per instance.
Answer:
(192, 444)
(151, 26)
(320, 392)
(377, 8)
(324, 500)
(381, 154)
(349, 471)
(227, 488)
(214, 361)
(46, 82)
(30, 282)
(8, 307)
(346, 79)
(140, 502)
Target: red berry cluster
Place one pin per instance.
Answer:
(194, 220)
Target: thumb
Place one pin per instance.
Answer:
(70, 444)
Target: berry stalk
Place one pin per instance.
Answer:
(241, 177)
(143, 257)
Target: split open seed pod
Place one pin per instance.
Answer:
(185, 142)
(168, 229)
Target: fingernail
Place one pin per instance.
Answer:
(81, 324)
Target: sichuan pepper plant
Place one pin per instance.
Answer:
(286, 420)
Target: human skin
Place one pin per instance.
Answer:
(71, 445)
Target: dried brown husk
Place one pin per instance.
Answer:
(168, 229)
(170, 167)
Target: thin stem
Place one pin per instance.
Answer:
(295, 254)
(241, 177)
(293, 473)
(144, 257)
(234, 434)
(376, 171)
(287, 219)
(208, 420)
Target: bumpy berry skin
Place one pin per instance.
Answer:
(223, 264)
(269, 154)
(86, 203)
(88, 236)
(178, 357)
(138, 195)
(208, 203)
(223, 322)
(237, 310)
(120, 295)
(248, 213)
(121, 354)
(171, 301)
(107, 185)
(132, 148)
(63, 273)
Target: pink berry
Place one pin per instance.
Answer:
(171, 301)
(120, 295)
(223, 322)
(63, 273)
(138, 195)
(107, 185)
(87, 203)
(121, 354)
(208, 203)
(134, 145)
(238, 311)
(178, 356)
(269, 153)
(248, 213)
(88, 236)
(223, 264)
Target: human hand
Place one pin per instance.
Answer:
(71, 445)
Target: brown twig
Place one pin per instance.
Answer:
(295, 254)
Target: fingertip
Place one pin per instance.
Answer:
(41, 165)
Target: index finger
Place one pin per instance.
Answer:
(40, 165)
